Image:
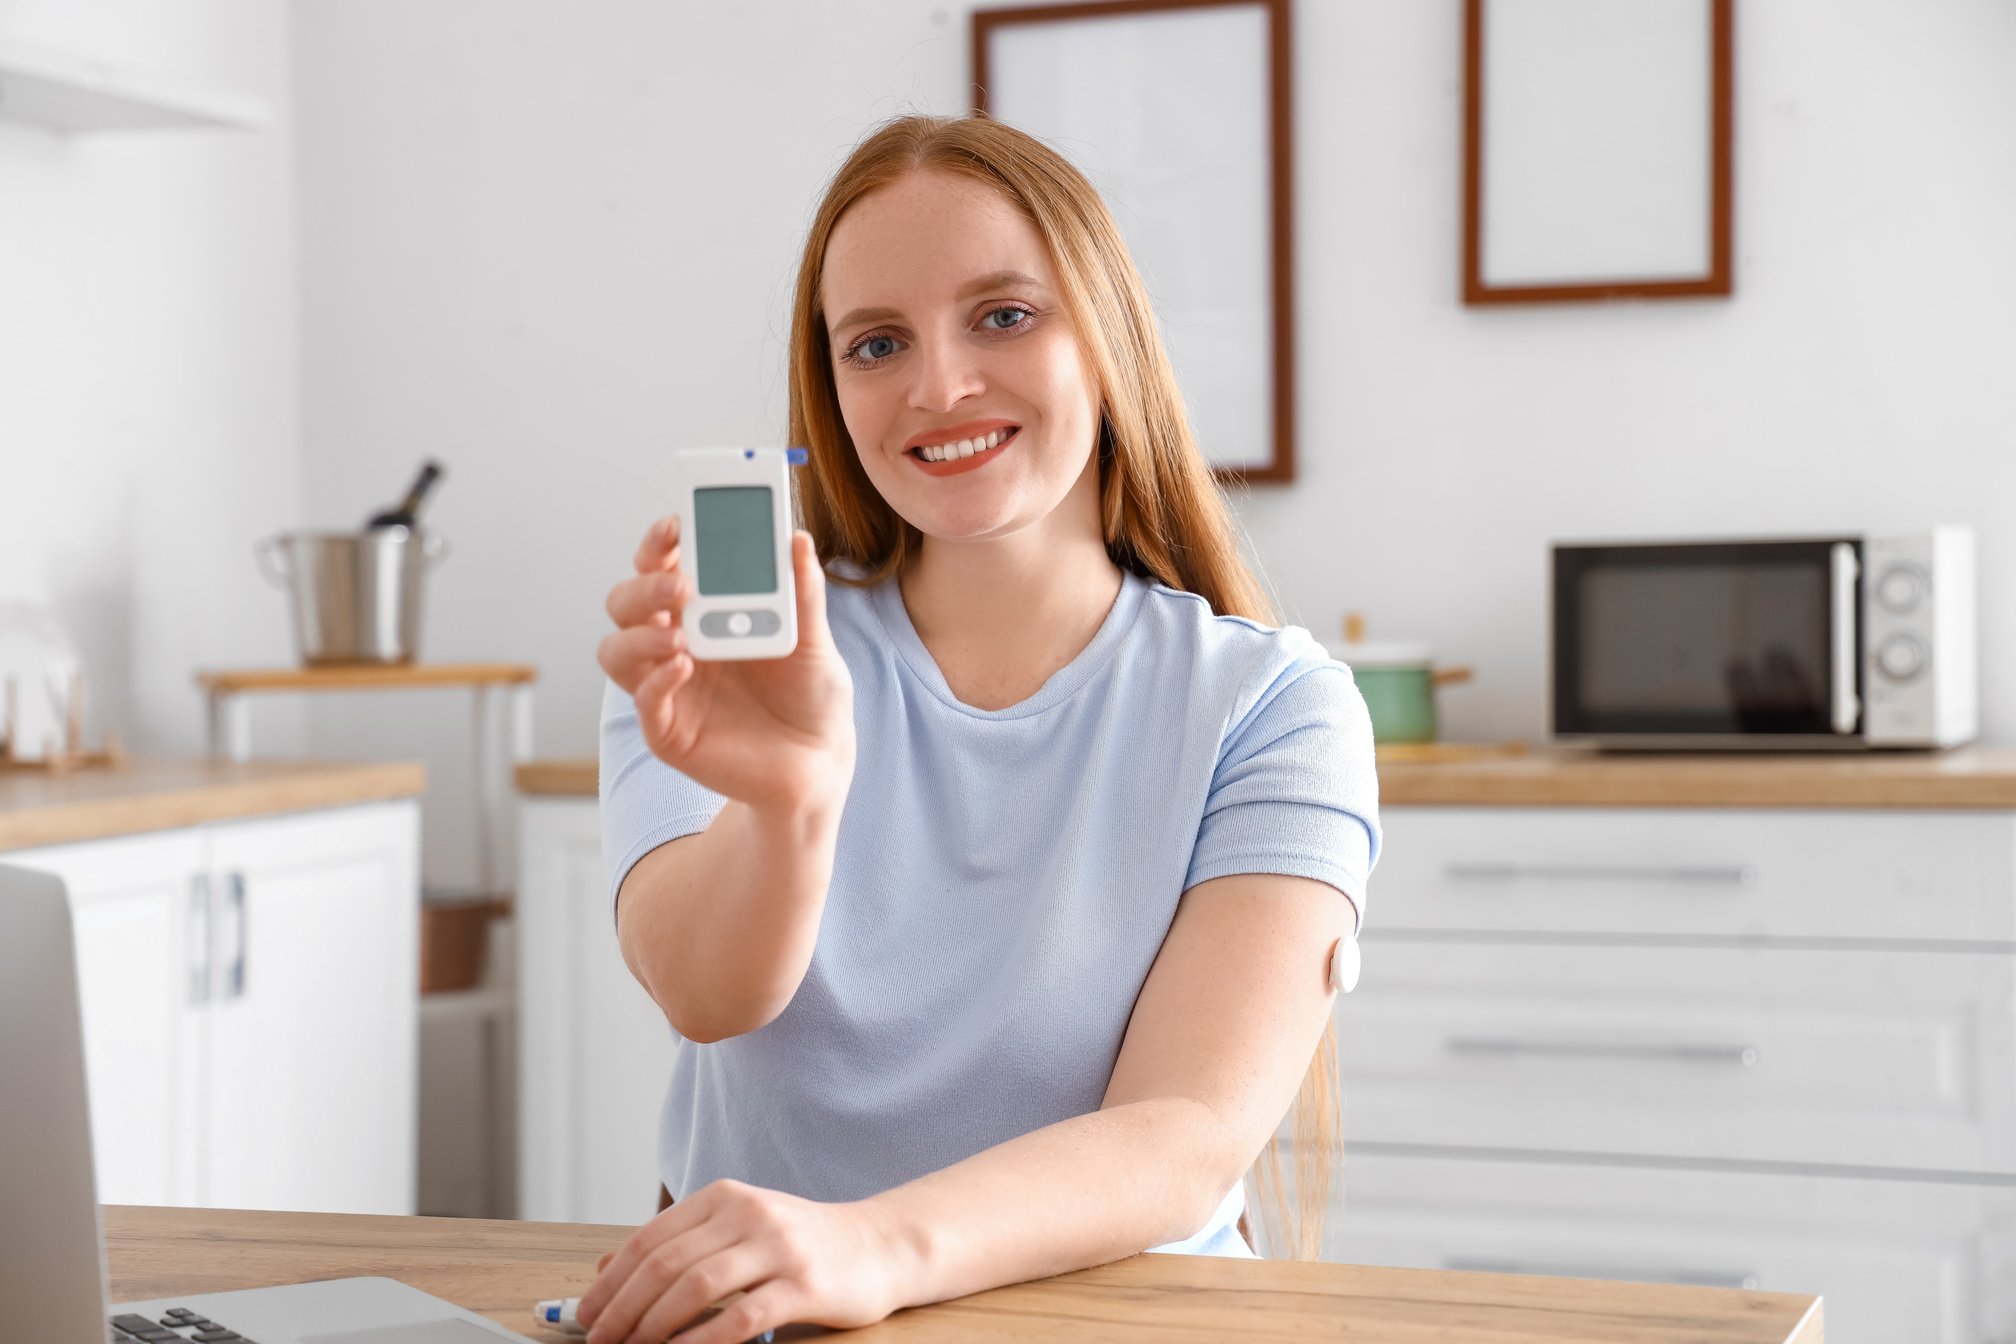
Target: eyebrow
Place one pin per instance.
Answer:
(993, 280)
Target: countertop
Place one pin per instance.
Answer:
(1969, 777)
(500, 1268)
(153, 795)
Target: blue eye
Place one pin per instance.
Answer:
(861, 354)
(853, 354)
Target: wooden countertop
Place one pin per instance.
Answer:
(154, 795)
(500, 1269)
(558, 778)
(1971, 777)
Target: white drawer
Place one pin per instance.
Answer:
(1891, 1260)
(1754, 872)
(1868, 1058)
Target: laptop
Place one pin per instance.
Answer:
(52, 1241)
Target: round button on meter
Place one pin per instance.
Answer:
(738, 623)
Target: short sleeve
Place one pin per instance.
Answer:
(645, 802)
(1296, 789)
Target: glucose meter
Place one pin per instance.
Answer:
(734, 509)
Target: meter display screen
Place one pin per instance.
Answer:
(735, 534)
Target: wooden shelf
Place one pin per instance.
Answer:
(71, 94)
(363, 676)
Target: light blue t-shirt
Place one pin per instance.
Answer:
(1002, 882)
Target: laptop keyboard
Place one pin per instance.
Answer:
(177, 1325)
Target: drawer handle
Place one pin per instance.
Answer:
(1717, 875)
(197, 939)
(1745, 1055)
(1700, 1278)
(241, 940)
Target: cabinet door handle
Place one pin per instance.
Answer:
(1706, 1053)
(234, 978)
(1703, 1278)
(1718, 875)
(197, 939)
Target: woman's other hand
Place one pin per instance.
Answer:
(775, 733)
(791, 1259)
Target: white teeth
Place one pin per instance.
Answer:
(947, 452)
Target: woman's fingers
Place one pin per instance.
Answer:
(811, 586)
(762, 1308)
(656, 699)
(656, 599)
(655, 1257)
(615, 1273)
(655, 551)
(629, 656)
(699, 1284)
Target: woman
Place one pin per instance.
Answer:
(995, 919)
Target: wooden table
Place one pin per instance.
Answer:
(501, 1268)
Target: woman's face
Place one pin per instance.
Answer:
(945, 324)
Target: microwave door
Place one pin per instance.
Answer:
(1719, 644)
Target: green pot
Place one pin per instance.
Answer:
(1401, 701)
(1398, 682)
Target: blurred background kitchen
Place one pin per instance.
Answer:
(544, 243)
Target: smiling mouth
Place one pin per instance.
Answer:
(950, 452)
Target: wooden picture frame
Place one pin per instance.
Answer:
(1179, 103)
(1597, 149)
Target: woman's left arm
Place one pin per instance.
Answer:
(1217, 1046)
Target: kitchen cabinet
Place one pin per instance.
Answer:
(1893, 1260)
(250, 1007)
(1766, 1047)
(594, 1050)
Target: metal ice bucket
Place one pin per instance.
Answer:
(355, 595)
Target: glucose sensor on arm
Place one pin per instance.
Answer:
(734, 507)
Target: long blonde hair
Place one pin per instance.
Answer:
(1163, 515)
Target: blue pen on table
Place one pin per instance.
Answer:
(557, 1313)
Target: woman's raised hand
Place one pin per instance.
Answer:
(775, 733)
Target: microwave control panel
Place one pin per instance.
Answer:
(1917, 641)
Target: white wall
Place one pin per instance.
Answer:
(549, 242)
(148, 366)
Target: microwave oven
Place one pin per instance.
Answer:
(1847, 642)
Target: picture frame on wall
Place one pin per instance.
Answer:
(1177, 111)
(1597, 150)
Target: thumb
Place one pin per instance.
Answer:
(810, 581)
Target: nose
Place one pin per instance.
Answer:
(943, 373)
